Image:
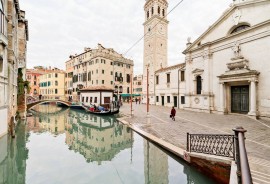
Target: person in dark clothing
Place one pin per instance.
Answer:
(173, 112)
(136, 100)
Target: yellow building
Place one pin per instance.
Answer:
(100, 67)
(52, 85)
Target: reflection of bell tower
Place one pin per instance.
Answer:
(155, 164)
(155, 43)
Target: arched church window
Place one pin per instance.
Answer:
(240, 28)
(199, 85)
(152, 11)
(158, 10)
(147, 14)
(163, 13)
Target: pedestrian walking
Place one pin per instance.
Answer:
(173, 112)
(136, 100)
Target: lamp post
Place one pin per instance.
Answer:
(131, 110)
(147, 90)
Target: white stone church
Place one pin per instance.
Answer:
(226, 69)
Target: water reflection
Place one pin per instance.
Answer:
(13, 156)
(96, 138)
(59, 145)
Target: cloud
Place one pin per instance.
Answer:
(63, 27)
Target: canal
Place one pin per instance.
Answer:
(60, 145)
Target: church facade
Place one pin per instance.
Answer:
(227, 67)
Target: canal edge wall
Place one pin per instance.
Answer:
(218, 168)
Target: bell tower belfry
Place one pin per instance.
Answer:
(155, 44)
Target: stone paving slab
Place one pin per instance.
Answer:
(160, 125)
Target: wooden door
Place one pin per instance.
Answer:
(162, 100)
(175, 101)
(240, 99)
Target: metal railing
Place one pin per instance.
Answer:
(232, 146)
(213, 144)
(243, 170)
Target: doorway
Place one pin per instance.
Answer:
(175, 101)
(162, 100)
(240, 99)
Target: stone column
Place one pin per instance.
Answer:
(221, 97)
(253, 100)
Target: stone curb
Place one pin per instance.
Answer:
(171, 148)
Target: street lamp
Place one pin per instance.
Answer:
(147, 90)
(131, 110)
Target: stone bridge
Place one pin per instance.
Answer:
(33, 104)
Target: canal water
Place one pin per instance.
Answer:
(60, 145)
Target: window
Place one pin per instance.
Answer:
(168, 78)
(147, 14)
(121, 89)
(128, 78)
(102, 71)
(152, 10)
(82, 99)
(157, 98)
(111, 63)
(35, 91)
(35, 83)
(182, 99)
(157, 79)
(168, 99)
(111, 72)
(97, 71)
(35, 77)
(182, 75)
(56, 83)
(89, 76)
(111, 82)
(56, 75)
(199, 84)
(127, 89)
(240, 28)
(96, 81)
(102, 81)
(86, 99)
(91, 99)
(56, 91)
(163, 13)
(95, 100)
(158, 10)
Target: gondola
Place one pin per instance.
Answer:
(101, 113)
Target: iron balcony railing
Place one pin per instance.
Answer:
(213, 144)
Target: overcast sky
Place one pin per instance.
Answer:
(58, 28)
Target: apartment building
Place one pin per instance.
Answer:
(13, 41)
(52, 85)
(68, 79)
(101, 67)
(32, 76)
(137, 84)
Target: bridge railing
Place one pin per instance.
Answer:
(48, 98)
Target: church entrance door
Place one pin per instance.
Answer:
(240, 99)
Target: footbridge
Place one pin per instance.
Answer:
(30, 105)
